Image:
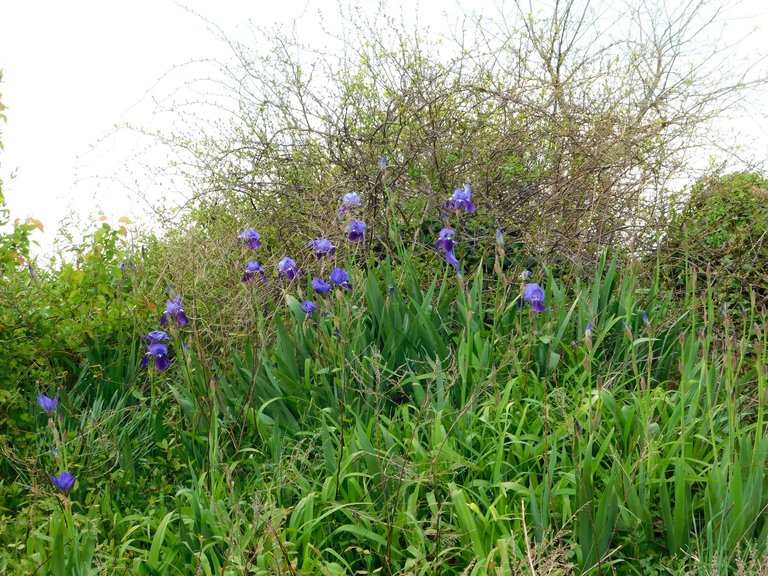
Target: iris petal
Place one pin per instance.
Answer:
(162, 362)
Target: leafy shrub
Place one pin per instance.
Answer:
(52, 319)
(722, 234)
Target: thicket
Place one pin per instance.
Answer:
(574, 127)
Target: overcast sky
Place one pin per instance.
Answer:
(73, 70)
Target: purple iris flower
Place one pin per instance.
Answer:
(63, 482)
(251, 269)
(157, 350)
(535, 295)
(309, 307)
(445, 243)
(588, 330)
(287, 267)
(156, 336)
(322, 247)
(339, 277)
(320, 286)
(499, 237)
(383, 163)
(461, 199)
(252, 237)
(356, 230)
(350, 200)
(174, 310)
(526, 274)
(48, 404)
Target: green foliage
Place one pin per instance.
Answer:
(722, 234)
(53, 322)
(416, 424)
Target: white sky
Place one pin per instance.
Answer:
(72, 70)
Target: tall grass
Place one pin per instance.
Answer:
(426, 426)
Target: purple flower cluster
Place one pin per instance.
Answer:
(286, 267)
(322, 247)
(355, 232)
(339, 277)
(355, 228)
(156, 342)
(252, 267)
(461, 199)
